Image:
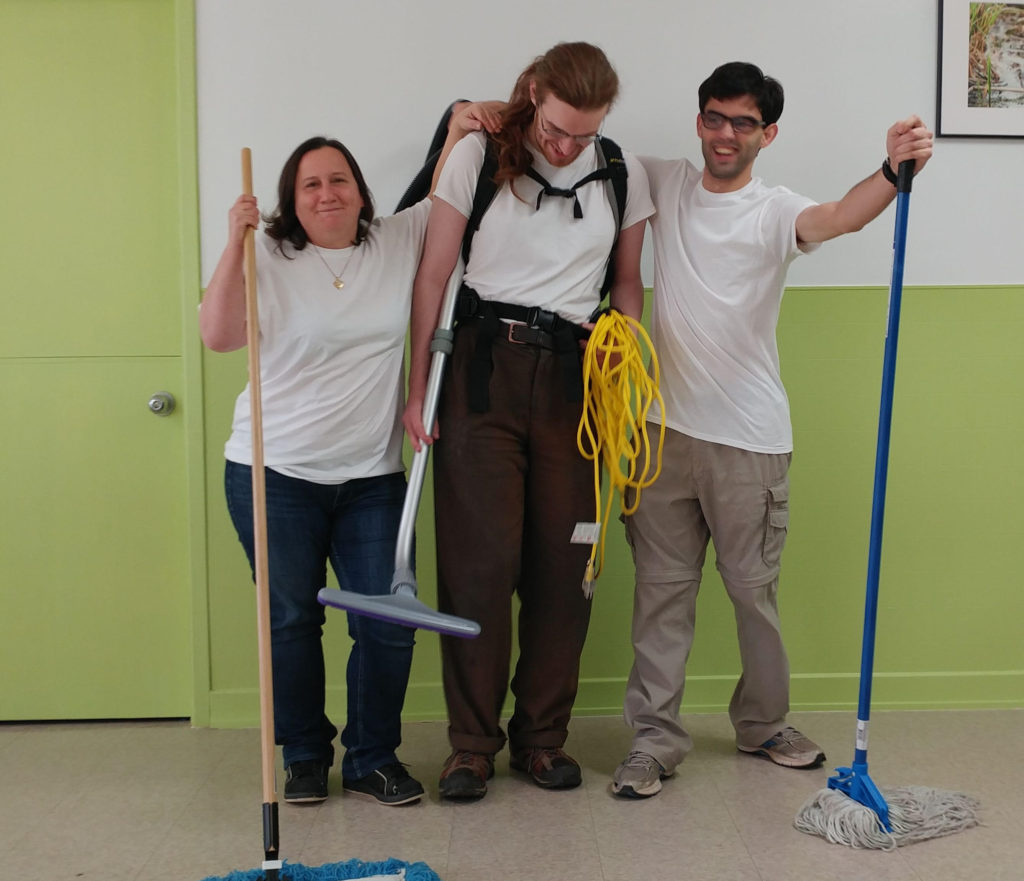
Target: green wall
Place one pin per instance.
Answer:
(950, 602)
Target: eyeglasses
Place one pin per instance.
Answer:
(742, 125)
(555, 133)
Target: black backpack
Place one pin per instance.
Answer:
(564, 333)
(613, 170)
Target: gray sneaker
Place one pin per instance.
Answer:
(639, 776)
(789, 748)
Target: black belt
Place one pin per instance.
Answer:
(530, 336)
(538, 328)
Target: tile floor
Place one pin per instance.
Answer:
(161, 801)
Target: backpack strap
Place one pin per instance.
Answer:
(614, 171)
(616, 165)
(565, 333)
(486, 190)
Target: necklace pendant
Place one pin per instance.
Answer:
(338, 283)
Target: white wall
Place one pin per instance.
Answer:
(377, 74)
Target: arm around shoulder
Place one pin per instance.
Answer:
(467, 117)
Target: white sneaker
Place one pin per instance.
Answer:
(639, 776)
(789, 748)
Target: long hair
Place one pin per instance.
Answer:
(577, 73)
(282, 224)
(739, 78)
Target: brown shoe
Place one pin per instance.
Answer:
(465, 775)
(550, 768)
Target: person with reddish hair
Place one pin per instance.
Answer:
(509, 481)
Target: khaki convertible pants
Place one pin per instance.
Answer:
(739, 500)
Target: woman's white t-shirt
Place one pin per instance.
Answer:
(332, 360)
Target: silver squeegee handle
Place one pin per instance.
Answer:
(441, 348)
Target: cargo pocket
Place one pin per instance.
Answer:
(776, 524)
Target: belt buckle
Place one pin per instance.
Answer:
(512, 325)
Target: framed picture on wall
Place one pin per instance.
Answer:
(981, 70)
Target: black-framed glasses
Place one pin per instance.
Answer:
(742, 125)
(555, 133)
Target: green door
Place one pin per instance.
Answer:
(95, 589)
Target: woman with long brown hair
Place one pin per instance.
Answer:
(509, 482)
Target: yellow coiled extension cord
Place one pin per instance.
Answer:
(618, 392)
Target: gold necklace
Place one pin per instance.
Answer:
(338, 283)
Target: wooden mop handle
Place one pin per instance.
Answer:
(259, 517)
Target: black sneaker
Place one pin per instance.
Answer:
(389, 785)
(306, 781)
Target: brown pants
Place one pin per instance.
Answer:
(509, 487)
(740, 500)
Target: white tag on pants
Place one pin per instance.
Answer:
(586, 534)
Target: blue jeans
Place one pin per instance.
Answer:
(355, 526)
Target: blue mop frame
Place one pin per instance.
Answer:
(855, 781)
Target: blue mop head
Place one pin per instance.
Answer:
(337, 872)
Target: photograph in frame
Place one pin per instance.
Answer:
(980, 70)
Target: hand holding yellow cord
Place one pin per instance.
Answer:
(618, 392)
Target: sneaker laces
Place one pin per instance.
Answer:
(639, 759)
(395, 771)
(475, 762)
(305, 767)
(393, 775)
(545, 757)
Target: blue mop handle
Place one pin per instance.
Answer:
(905, 176)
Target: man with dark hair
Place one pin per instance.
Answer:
(723, 241)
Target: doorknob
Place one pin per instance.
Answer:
(161, 403)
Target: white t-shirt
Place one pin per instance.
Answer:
(542, 257)
(720, 262)
(331, 360)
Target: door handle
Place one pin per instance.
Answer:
(161, 403)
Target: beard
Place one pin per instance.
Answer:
(732, 166)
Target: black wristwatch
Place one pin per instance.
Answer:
(888, 173)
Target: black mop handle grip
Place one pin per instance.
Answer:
(905, 176)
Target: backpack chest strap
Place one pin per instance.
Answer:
(546, 189)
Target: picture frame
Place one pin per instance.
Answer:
(980, 59)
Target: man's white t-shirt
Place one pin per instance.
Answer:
(720, 262)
